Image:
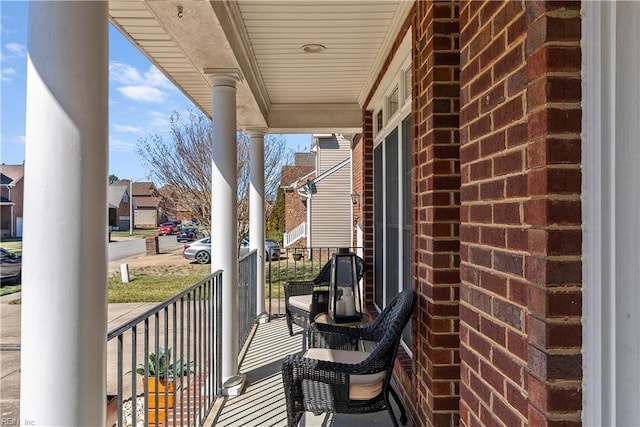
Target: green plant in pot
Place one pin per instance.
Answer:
(159, 386)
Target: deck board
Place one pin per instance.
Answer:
(263, 404)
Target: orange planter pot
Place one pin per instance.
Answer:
(164, 398)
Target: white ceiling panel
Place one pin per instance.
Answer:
(264, 39)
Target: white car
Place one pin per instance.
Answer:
(200, 250)
(271, 249)
(10, 265)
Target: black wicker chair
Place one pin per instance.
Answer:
(343, 379)
(313, 296)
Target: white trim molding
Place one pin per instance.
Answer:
(611, 202)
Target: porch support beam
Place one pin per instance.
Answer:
(256, 213)
(64, 297)
(224, 211)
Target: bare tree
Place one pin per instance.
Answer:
(183, 161)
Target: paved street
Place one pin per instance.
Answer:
(135, 247)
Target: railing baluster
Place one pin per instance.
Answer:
(120, 338)
(156, 332)
(175, 346)
(188, 358)
(181, 356)
(146, 371)
(134, 398)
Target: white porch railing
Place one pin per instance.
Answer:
(297, 233)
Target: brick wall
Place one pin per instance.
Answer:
(436, 177)
(520, 216)
(295, 210)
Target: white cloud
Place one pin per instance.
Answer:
(142, 93)
(7, 73)
(127, 129)
(155, 78)
(121, 145)
(137, 86)
(20, 139)
(17, 49)
(124, 74)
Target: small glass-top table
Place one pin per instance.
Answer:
(326, 319)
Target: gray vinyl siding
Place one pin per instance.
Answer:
(145, 218)
(331, 223)
(332, 151)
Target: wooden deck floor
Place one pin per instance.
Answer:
(263, 404)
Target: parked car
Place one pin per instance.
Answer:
(200, 250)
(167, 228)
(271, 249)
(188, 234)
(10, 265)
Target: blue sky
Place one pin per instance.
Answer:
(141, 98)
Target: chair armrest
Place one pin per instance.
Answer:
(296, 369)
(334, 337)
(319, 303)
(298, 288)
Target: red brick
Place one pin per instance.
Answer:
(512, 369)
(480, 344)
(518, 291)
(508, 313)
(517, 345)
(492, 376)
(493, 236)
(509, 163)
(506, 413)
(493, 330)
(508, 113)
(517, 239)
(480, 213)
(506, 213)
(494, 283)
(508, 263)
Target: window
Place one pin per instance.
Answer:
(407, 84)
(392, 193)
(393, 102)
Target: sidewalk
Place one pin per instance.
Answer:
(118, 314)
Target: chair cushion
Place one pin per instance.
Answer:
(303, 302)
(361, 387)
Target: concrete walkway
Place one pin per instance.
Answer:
(10, 350)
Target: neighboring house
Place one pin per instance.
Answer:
(119, 209)
(148, 204)
(174, 204)
(322, 214)
(292, 178)
(11, 200)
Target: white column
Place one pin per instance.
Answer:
(256, 213)
(64, 292)
(224, 211)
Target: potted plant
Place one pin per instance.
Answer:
(159, 386)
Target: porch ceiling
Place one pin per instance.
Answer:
(284, 89)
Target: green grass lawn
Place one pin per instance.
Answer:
(12, 246)
(155, 284)
(281, 273)
(159, 283)
(9, 289)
